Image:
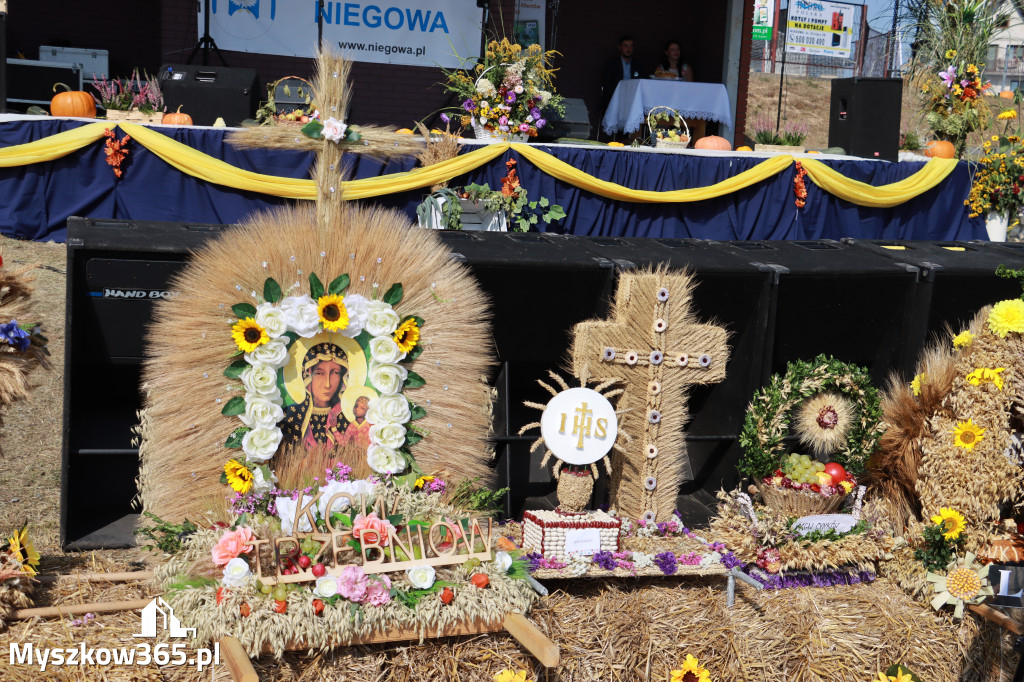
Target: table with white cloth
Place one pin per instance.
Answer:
(634, 98)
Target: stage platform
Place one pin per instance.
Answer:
(36, 198)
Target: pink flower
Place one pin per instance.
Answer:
(378, 590)
(380, 529)
(352, 583)
(231, 544)
(333, 130)
(524, 127)
(503, 120)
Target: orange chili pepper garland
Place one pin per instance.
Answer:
(799, 188)
(116, 151)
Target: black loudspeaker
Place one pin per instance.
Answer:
(865, 117)
(575, 122)
(207, 93)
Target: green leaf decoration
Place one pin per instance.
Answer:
(316, 287)
(243, 310)
(414, 380)
(313, 129)
(271, 290)
(895, 669)
(415, 410)
(338, 285)
(223, 478)
(235, 369)
(393, 296)
(234, 407)
(411, 438)
(414, 353)
(356, 545)
(419, 321)
(396, 520)
(344, 519)
(235, 441)
(407, 481)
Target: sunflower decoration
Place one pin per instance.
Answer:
(408, 334)
(333, 314)
(951, 521)
(986, 375)
(238, 476)
(20, 549)
(965, 583)
(691, 671)
(249, 335)
(967, 434)
(897, 673)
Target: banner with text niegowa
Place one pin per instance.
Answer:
(414, 32)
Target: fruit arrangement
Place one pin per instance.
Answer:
(801, 472)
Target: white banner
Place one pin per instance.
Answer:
(529, 24)
(819, 27)
(414, 32)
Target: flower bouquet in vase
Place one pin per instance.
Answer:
(998, 179)
(138, 99)
(954, 104)
(504, 94)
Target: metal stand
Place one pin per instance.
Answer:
(206, 42)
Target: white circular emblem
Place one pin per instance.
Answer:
(579, 426)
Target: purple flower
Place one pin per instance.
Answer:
(503, 129)
(16, 336)
(510, 97)
(535, 112)
(948, 75)
(541, 122)
(731, 561)
(524, 127)
(666, 561)
(533, 560)
(468, 105)
(605, 560)
(445, 118)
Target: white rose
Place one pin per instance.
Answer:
(273, 353)
(518, 89)
(502, 562)
(352, 491)
(260, 412)
(326, 587)
(384, 460)
(262, 484)
(301, 314)
(483, 120)
(261, 443)
(384, 349)
(261, 379)
(357, 312)
(387, 377)
(420, 577)
(389, 435)
(236, 573)
(286, 507)
(333, 130)
(381, 319)
(389, 409)
(271, 319)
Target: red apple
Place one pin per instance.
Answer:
(304, 561)
(447, 595)
(319, 570)
(836, 471)
(480, 580)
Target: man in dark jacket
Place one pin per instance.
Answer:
(620, 67)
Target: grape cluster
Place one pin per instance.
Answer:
(802, 469)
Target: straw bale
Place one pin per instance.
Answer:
(189, 343)
(15, 304)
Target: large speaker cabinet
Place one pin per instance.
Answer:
(864, 118)
(872, 303)
(207, 93)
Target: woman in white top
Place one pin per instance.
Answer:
(672, 66)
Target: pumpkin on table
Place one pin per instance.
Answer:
(176, 118)
(714, 142)
(940, 149)
(72, 103)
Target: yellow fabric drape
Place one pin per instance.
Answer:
(205, 167)
(578, 178)
(884, 196)
(52, 147)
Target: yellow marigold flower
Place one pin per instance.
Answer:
(333, 313)
(1007, 115)
(967, 434)
(248, 335)
(1007, 316)
(846, 486)
(995, 138)
(238, 475)
(915, 384)
(1013, 138)
(950, 54)
(984, 375)
(407, 335)
(962, 339)
(952, 522)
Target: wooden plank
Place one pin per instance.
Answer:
(1001, 619)
(408, 633)
(79, 609)
(238, 661)
(532, 639)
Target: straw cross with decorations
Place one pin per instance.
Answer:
(328, 135)
(656, 348)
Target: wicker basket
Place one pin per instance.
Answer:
(656, 141)
(798, 503)
(574, 490)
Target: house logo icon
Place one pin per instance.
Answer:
(160, 611)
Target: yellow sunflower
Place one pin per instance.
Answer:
(249, 335)
(407, 335)
(952, 522)
(1007, 316)
(692, 671)
(967, 434)
(985, 375)
(962, 339)
(902, 675)
(1007, 115)
(422, 481)
(509, 675)
(238, 475)
(20, 547)
(333, 313)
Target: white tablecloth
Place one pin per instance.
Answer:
(634, 98)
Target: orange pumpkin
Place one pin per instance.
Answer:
(72, 103)
(1006, 94)
(940, 149)
(713, 142)
(176, 118)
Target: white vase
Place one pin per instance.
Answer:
(477, 218)
(997, 224)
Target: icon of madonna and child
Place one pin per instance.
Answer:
(326, 393)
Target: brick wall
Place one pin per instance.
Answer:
(148, 33)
